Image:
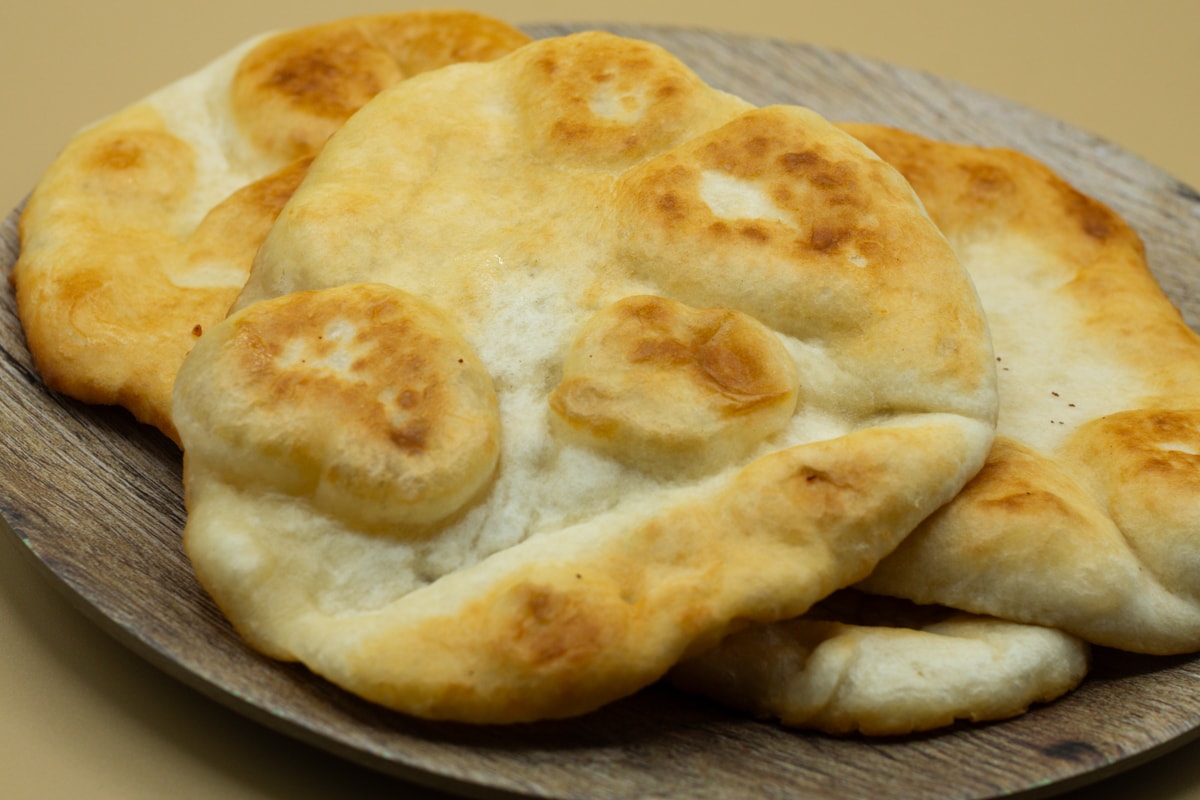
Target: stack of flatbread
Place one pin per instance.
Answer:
(512, 377)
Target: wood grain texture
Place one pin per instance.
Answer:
(96, 500)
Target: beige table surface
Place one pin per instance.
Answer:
(80, 716)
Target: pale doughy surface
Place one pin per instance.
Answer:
(1087, 514)
(884, 669)
(141, 233)
(581, 215)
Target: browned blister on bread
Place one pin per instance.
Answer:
(141, 234)
(417, 431)
(673, 387)
(699, 426)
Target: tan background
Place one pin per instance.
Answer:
(82, 717)
(1128, 70)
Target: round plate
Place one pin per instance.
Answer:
(97, 500)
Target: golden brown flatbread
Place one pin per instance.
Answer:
(1087, 514)
(558, 368)
(141, 233)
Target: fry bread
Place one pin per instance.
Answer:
(558, 368)
(1087, 514)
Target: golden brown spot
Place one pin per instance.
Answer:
(825, 238)
(661, 351)
(757, 145)
(736, 365)
(984, 179)
(554, 627)
(318, 80)
(652, 379)
(147, 163)
(821, 490)
(834, 176)
(1095, 219)
(119, 154)
(412, 437)
(985, 184)
(1157, 443)
(754, 232)
(292, 91)
(715, 348)
(811, 475)
(644, 312)
(799, 162)
(783, 195)
(669, 204)
(1018, 482)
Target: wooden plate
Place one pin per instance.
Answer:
(97, 500)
